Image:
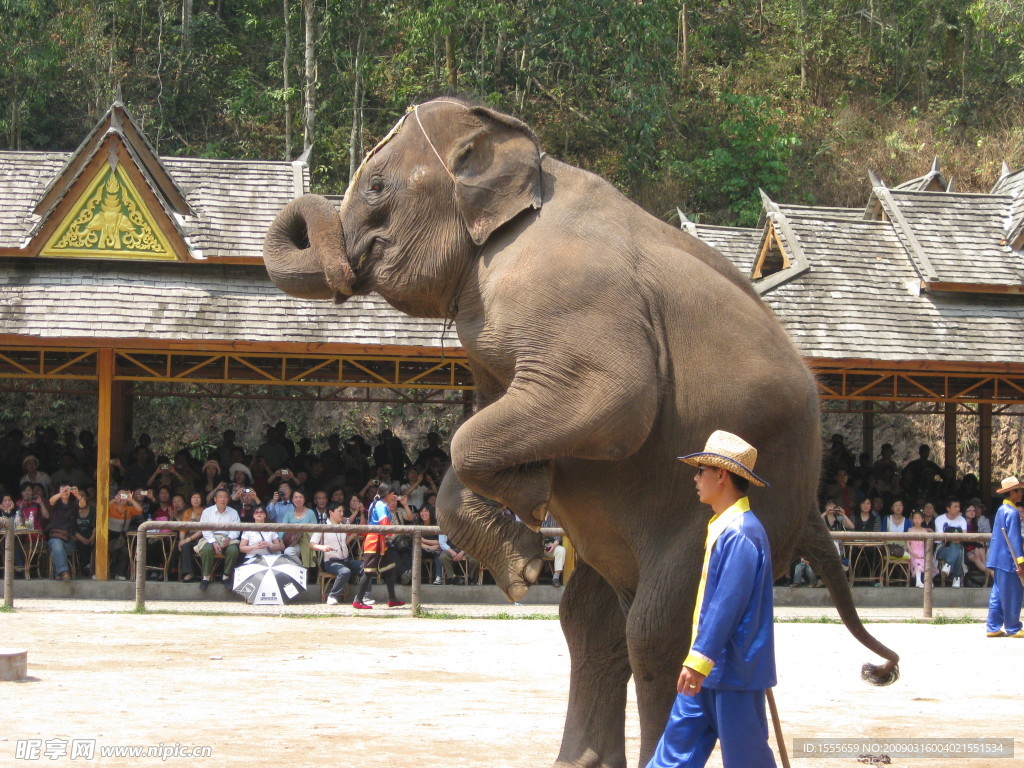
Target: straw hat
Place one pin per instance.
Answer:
(729, 452)
(212, 463)
(27, 459)
(1009, 484)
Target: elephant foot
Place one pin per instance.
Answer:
(522, 565)
(590, 760)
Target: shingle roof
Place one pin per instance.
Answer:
(961, 235)
(861, 299)
(190, 302)
(737, 243)
(23, 177)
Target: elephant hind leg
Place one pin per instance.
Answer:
(595, 631)
(508, 549)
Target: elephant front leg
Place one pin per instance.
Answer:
(508, 549)
(595, 631)
(505, 451)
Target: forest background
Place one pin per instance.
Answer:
(693, 105)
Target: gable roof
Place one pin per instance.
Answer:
(208, 210)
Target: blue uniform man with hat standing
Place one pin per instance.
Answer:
(1006, 559)
(731, 660)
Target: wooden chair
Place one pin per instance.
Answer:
(892, 565)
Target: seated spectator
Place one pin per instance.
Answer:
(435, 470)
(85, 537)
(336, 557)
(31, 506)
(322, 507)
(553, 550)
(429, 545)
(210, 479)
(977, 522)
(218, 542)
(60, 528)
(869, 563)
(803, 575)
(844, 494)
(416, 488)
(951, 553)
(187, 539)
(280, 505)
(32, 472)
(916, 548)
(896, 522)
(245, 501)
(240, 475)
(166, 475)
(9, 510)
(260, 542)
(453, 554)
(188, 478)
(68, 474)
(123, 509)
(928, 513)
(297, 544)
(356, 511)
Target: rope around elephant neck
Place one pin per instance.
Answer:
(416, 114)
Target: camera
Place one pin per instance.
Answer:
(375, 482)
(247, 490)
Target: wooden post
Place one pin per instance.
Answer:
(985, 451)
(868, 431)
(104, 430)
(950, 435)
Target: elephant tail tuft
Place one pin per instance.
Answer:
(881, 674)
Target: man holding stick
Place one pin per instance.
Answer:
(1006, 559)
(731, 661)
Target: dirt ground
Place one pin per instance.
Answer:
(389, 690)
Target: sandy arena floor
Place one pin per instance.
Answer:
(388, 690)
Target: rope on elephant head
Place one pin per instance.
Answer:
(416, 114)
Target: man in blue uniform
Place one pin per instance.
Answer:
(1007, 564)
(731, 661)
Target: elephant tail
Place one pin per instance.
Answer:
(820, 550)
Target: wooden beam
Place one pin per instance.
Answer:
(103, 435)
(950, 435)
(937, 286)
(868, 430)
(985, 452)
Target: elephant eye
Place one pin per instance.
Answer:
(376, 186)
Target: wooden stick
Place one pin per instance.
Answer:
(1009, 547)
(783, 755)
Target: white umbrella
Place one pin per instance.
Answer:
(270, 579)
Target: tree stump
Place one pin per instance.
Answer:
(13, 664)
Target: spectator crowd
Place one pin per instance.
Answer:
(47, 485)
(879, 495)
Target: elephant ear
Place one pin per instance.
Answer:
(497, 173)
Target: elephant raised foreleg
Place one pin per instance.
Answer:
(508, 549)
(594, 625)
(504, 452)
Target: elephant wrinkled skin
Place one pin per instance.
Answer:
(604, 344)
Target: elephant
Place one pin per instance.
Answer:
(604, 343)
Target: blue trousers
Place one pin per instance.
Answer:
(734, 718)
(1004, 602)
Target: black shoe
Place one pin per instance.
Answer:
(458, 580)
(204, 585)
(556, 581)
(407, 578)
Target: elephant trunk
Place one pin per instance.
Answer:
(304, 250)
